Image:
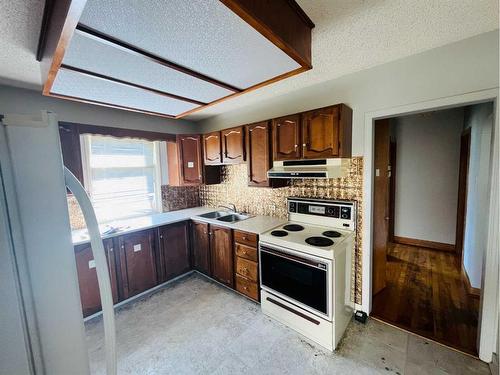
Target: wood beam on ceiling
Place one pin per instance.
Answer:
(103, 77)
(129, 48)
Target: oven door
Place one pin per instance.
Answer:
(302, 279)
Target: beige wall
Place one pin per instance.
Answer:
(22, 101)
(465, 66)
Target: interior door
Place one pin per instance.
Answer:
(258, 158)
(381, 203)
(221, 247)
(174, 249)
(138, 268)
(190, 155)
(320, 133)
(201, 247)
(286, 138)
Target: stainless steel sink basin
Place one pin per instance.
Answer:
(214, 214)
(233, 218)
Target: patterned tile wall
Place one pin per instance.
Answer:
(264, 201)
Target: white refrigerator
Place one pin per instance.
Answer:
(41, 325)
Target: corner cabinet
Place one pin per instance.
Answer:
(212, 152)
(259, 155)
(286, 138)
(233, 145)
(173, 255)
(200, 244)
(137, 262)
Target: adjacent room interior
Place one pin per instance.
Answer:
(431, 193)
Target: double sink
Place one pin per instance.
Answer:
(225, 216)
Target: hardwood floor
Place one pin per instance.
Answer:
(425, 294)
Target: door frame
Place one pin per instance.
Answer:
(463, 184)
(489, 285)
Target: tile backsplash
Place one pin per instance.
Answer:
(272, 202)
(262, 201)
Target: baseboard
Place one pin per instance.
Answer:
(473, 292)
(423, 243)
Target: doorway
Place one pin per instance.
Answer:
(423, 228)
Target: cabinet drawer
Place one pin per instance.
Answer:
(246, 252)
(247, 287)
(245, 238)
(247, 268)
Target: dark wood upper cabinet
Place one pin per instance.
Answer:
(190, 159)
(286, 138)
(87, 276)
(221, 248)
(137, 262)
(200, 245)
(233, 145)
(326, 132)
(173, 250)
(212, 148)
(259, 155)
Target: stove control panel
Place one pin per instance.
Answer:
(341, 213)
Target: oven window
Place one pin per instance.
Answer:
(303, 283)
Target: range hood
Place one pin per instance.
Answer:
(320, 168)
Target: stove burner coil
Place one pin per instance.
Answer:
(293, 227)
(331, 233)
(279, 233)
(319, 241)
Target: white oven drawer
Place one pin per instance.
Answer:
(316, 329)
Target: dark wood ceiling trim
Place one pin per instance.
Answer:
(126, 83)
(282, 22)
(57, 32)
(104, 104)
(252, 88)
(89, 32)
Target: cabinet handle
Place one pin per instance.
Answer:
(161, 236)
(296, 146)
(304, 145)
(245, 288)
(244, 238)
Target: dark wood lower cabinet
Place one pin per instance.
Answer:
(221, 248)
(200, 245)
(137, 262)
(173, 250)
(87, 276)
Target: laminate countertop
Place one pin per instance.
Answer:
(254, 224)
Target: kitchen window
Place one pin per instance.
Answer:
(123, 176)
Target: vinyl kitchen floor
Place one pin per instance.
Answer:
(195, 326)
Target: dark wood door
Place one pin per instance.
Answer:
(258, 149)
(174, 250)
(286, 138)
(190, 159)
(381, 204)
(233, 145)
(221, 248)
(200, 245)
(212, 148)
(320, 133)
(137, 262)
(87, 276)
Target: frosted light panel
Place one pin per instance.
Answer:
(202, 35)
(100, 57)
(82, 86)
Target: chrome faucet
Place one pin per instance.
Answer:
(229, 208)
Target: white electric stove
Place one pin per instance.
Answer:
(305, 268)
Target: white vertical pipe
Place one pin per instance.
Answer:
(101, 267)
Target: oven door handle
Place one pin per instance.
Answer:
(308, 262)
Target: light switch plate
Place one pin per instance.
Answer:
(91, 264)
(137, 247)
(190, 164)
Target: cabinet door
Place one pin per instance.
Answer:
(212, 148)
(190, 159)
(137, 262)
(233, 146)
(258, 149)
(286, 138)
(87, 277)
(174, 250)
(201, 247)
(221, 247)
(320, 133)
